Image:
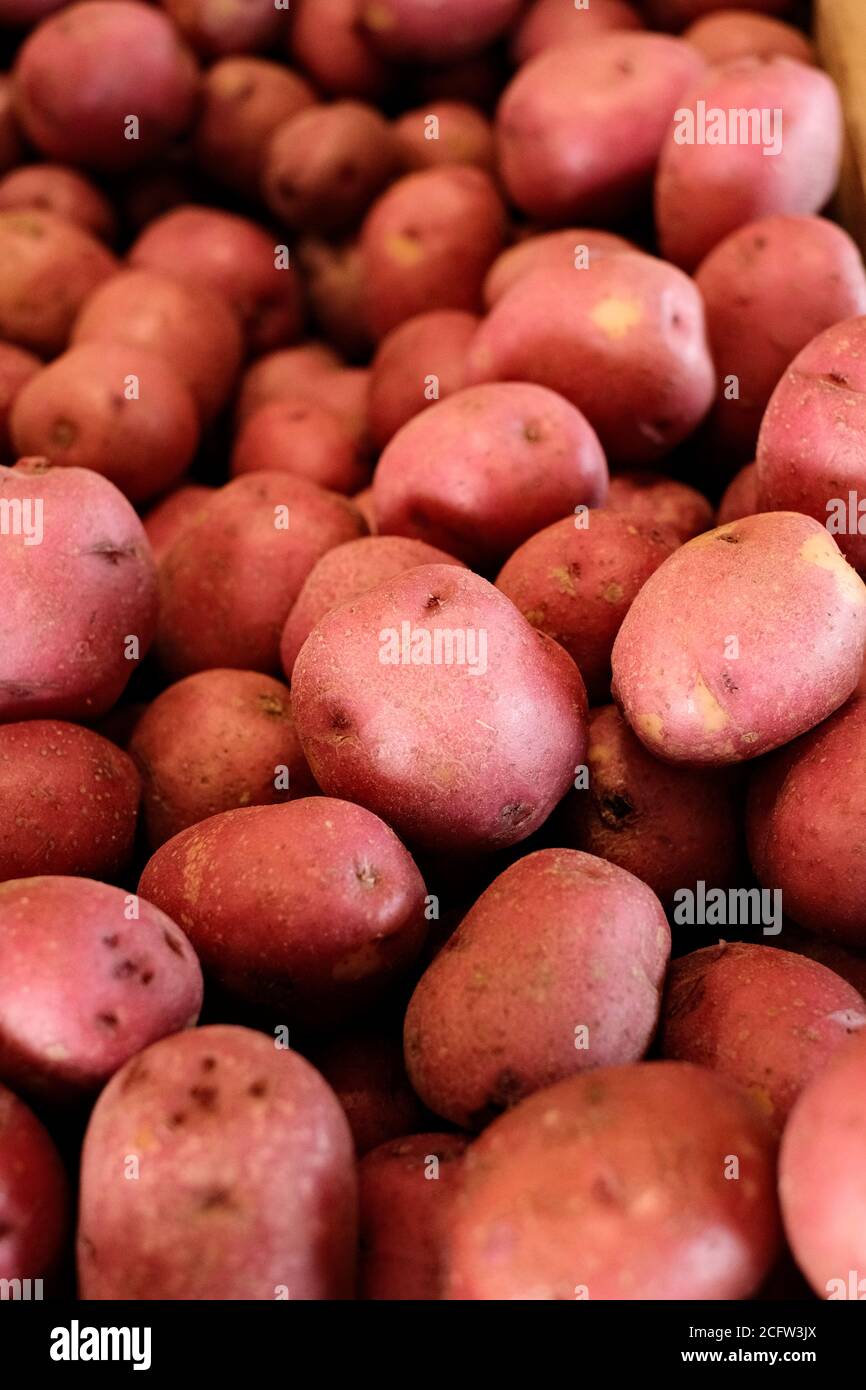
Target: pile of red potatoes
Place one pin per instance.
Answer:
(432, 733)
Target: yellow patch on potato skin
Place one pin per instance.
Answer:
(612, 592)
(713, 715)
(821, 550)
(651, 725)
(378, 16)
(405, 250)
(600, 752)
(617, 317)
(562, 576)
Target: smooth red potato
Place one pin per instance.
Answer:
(624, 340)
(214, 742)
(117, 410)
(756, 333)
(68, 801)
(335, 293)
(246, 1186)
(575, 581)
(243, 100)
(557, 968)
(406, 1192)
(326, 39)
(295, 435)
(34, 1195)
(418, 362)
(365, 1069)
(127, 59)
(453, 132)
(740, 497)
(669, 826)
(229, 27)
(62, 191)
(17, 366)
(467, 750)
(313, 909)
(551, 23)
(580, 127)
(190, 325)
(170, 517)
(571, 248)
(730, 34)
(413, 29)
(849, 964)
(79, 611)
(282, 373)
(49, 268)
(227, 585)
(428, 242)
(652, 499)
(706, 191)
(550, 1192)
(233, 255)
(720, 681)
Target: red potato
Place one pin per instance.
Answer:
(365, 1070)
(428, 242)
(243, 101)
(313, 908)
(784, 157)
(624, 340)
(768, 1019)
(215, 742)
(571, 248)
(557, 968)
(810, 448)
(34, 1196)
(720, 680)
(79, 608)
(335, 293)
(453, 133)
(674, 508)
(63, 192)
(227, 585)
(580, 127)
(406, 1191)
(324, 166)
(728, 34)
(326, 39)
(676, 14)
(806, 809)
(136, 979)
(346, 572)
(756, 333)
(117, 410)
(189, 325)
(616, 1185)
(551, 23)
(821, 1177)
(11, 143)
(68, 801)
(21, 12)
(669, 826)
(344, 392)
(740, 497)
(418, 362)
(457, 722)
(229, 27)
(850, 965)
(295, 435)
(451, 29)
(50, 267)
(128, 60)
(233, 255)
(575, 581)
(476, 80)
(480, 472)
(166, 522)
(17, 366)
(246, 1186)
(285, 373)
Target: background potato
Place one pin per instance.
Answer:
(243, 100)
(246, 1183)
(549, 23)
(234, 26)
(17, 366)
(281, 373)
(677, 510)
(566, 249)
(457, 134)
(50, 266)
(675, 14)
(335, 293)
(57, 189)
(34, 1196)
(169, 518)
(420, 355)
(365, 1069)
(412, 29)
(740, 498)
(729, 34)
(299, 436)
(326, 39)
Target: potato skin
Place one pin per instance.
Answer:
(454, 761)
(135, 980)
(227, 585)
(756, 333)
(346, 572)
(463, 136)
(215, 742)
(16, 368)
(243, 100)
(335, 293)
(821, 1175)
(50, 267)
(170, 517)
(676, 14)
(550, 23)
(575, 582)
(624, 340)
(727, 35)
(326, 39)
(246, 1183)
(559, 941)
(239, 26)
(768, 1019)
(806, 812)
(480, 472)
(298, 436)
(612, 1185)
(688, 693)
(366, 1072)
(407, 29)
(62, 191)
(126, 57)
(78, 596)
(549, 250)
(314, 907)
(405, 1204)
(428, 242)
(580, 127)
(669, 826)
(34, 1194)
(677, 510)
(740, 497)
(428, 345)
(703, 192)
(68, 801)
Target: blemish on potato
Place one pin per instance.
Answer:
(407, 250)
(703, 702)
(821, 550)
(616, 317)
